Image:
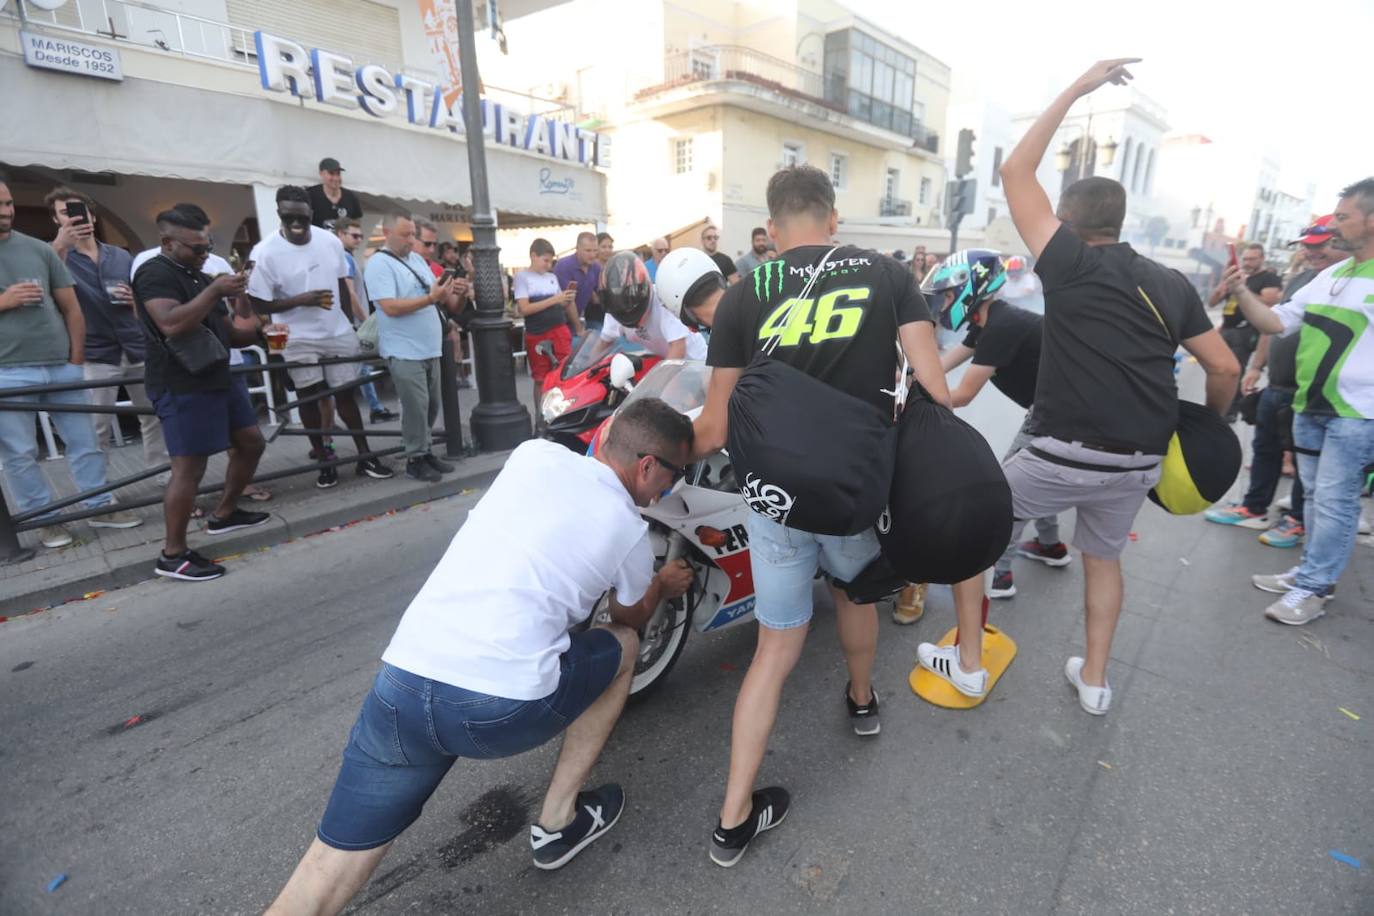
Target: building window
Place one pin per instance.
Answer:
(891, 185)
(682, 155)
(791, 154)
(837, 169)
(992, 214)
(997, 167)
(925, 191)
(873, 81)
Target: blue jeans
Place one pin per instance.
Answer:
(1333, 476)
(19, 442)
(1266, 462)
(784, 562)
(411, 729)
(370, 389)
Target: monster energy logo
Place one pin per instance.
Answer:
(764, 276)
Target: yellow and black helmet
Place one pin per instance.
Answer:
(1202, 462)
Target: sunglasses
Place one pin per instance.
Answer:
(199, 251)
(677, 472)
(294, 218)
(422, 242)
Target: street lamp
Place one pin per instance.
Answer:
(1083, 159)
(499, 421)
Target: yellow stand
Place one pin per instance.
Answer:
(998, 651)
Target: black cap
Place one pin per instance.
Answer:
(330, 164)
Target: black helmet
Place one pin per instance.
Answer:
(626, 289)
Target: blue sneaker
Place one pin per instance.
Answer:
(1238, 516)
(1287, 533)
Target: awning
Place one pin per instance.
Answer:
(142, 127)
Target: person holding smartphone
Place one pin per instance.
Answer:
(114, 336)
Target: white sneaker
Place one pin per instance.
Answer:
(55, 536)
(1297, 607)
(944, 662)
(1285, 503)
(1280, 584)
(1094, 700)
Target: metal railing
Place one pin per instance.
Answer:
(16, 399)
(742, 64)
(890, 206)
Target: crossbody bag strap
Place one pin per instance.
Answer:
(786, 322)
(425, 284)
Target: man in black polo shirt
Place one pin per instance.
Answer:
(1105, 401)
(330, 201)
(205, 411)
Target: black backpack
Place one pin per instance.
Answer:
(949, 515)
(807, 455)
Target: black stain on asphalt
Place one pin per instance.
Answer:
(21, 666)
(189, 625)
(495, 817)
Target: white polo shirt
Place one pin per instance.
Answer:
(555, 531)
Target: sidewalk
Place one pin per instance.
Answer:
(105, 558)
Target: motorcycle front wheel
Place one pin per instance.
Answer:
(660, 642)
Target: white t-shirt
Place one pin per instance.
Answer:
(659, 328)
(1335, 359)
(214, 266)
(283, 270)
(554, 532)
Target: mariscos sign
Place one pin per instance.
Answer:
(332, 79)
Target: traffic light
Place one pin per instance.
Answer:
(963, 159)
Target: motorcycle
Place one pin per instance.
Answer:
(584, 397)
(701, 520)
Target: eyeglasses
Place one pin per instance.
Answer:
(423, 244)
(677, 472)
(660, 251)
(199, 251)
(294, 218)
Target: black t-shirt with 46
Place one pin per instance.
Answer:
(163, 278)
(1009, 342)
(1113, 320)
(843, 334)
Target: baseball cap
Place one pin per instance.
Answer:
(899, 255)
(1318, 232)
(330, 164)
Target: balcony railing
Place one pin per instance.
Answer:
(925, 138)
(890, 206)
(733, 62)
(149, 26)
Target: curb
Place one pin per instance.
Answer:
(129, 565)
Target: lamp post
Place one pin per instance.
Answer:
(1083, 160)
(499, 421)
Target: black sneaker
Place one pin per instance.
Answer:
(329, 477)
(373, 467)
(419, 469)
(864, 718)
(1003, 586)
(443, 467)
(384, 416)
(770, 807)
(597, 812)
(238, 519)
(188, 567)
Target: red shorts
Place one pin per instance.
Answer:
(540, 365)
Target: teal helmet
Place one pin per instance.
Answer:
(974, 275)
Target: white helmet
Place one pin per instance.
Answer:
(683, 276)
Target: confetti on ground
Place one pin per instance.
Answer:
(61, 879)
(1342, 857)
(132, 721)
(1348, 713)
(89, 595)
(1104, 764)
(1133, 536)
(1184, 561)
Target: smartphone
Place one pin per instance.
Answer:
(446, 276)
(572, 286)
(1231, 250)
(248, 268)
(77, 212)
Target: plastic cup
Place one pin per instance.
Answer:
(276, 337)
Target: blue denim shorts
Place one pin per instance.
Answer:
(785, 560)
(198, 423)
(411, 729)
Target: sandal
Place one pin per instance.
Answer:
(257, 494)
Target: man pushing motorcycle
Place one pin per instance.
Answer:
(834, 313)
(485, 662)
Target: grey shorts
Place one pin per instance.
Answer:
(309, 351)
(1105, 502)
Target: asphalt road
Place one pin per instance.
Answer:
(1221, 781)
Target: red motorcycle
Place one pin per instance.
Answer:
(592, 383)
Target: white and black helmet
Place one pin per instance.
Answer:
(685, 276)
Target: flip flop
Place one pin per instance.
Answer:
(197, 512)
(257, 494)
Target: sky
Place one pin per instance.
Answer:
(1261, 73)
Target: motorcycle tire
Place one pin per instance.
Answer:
(646, 682)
